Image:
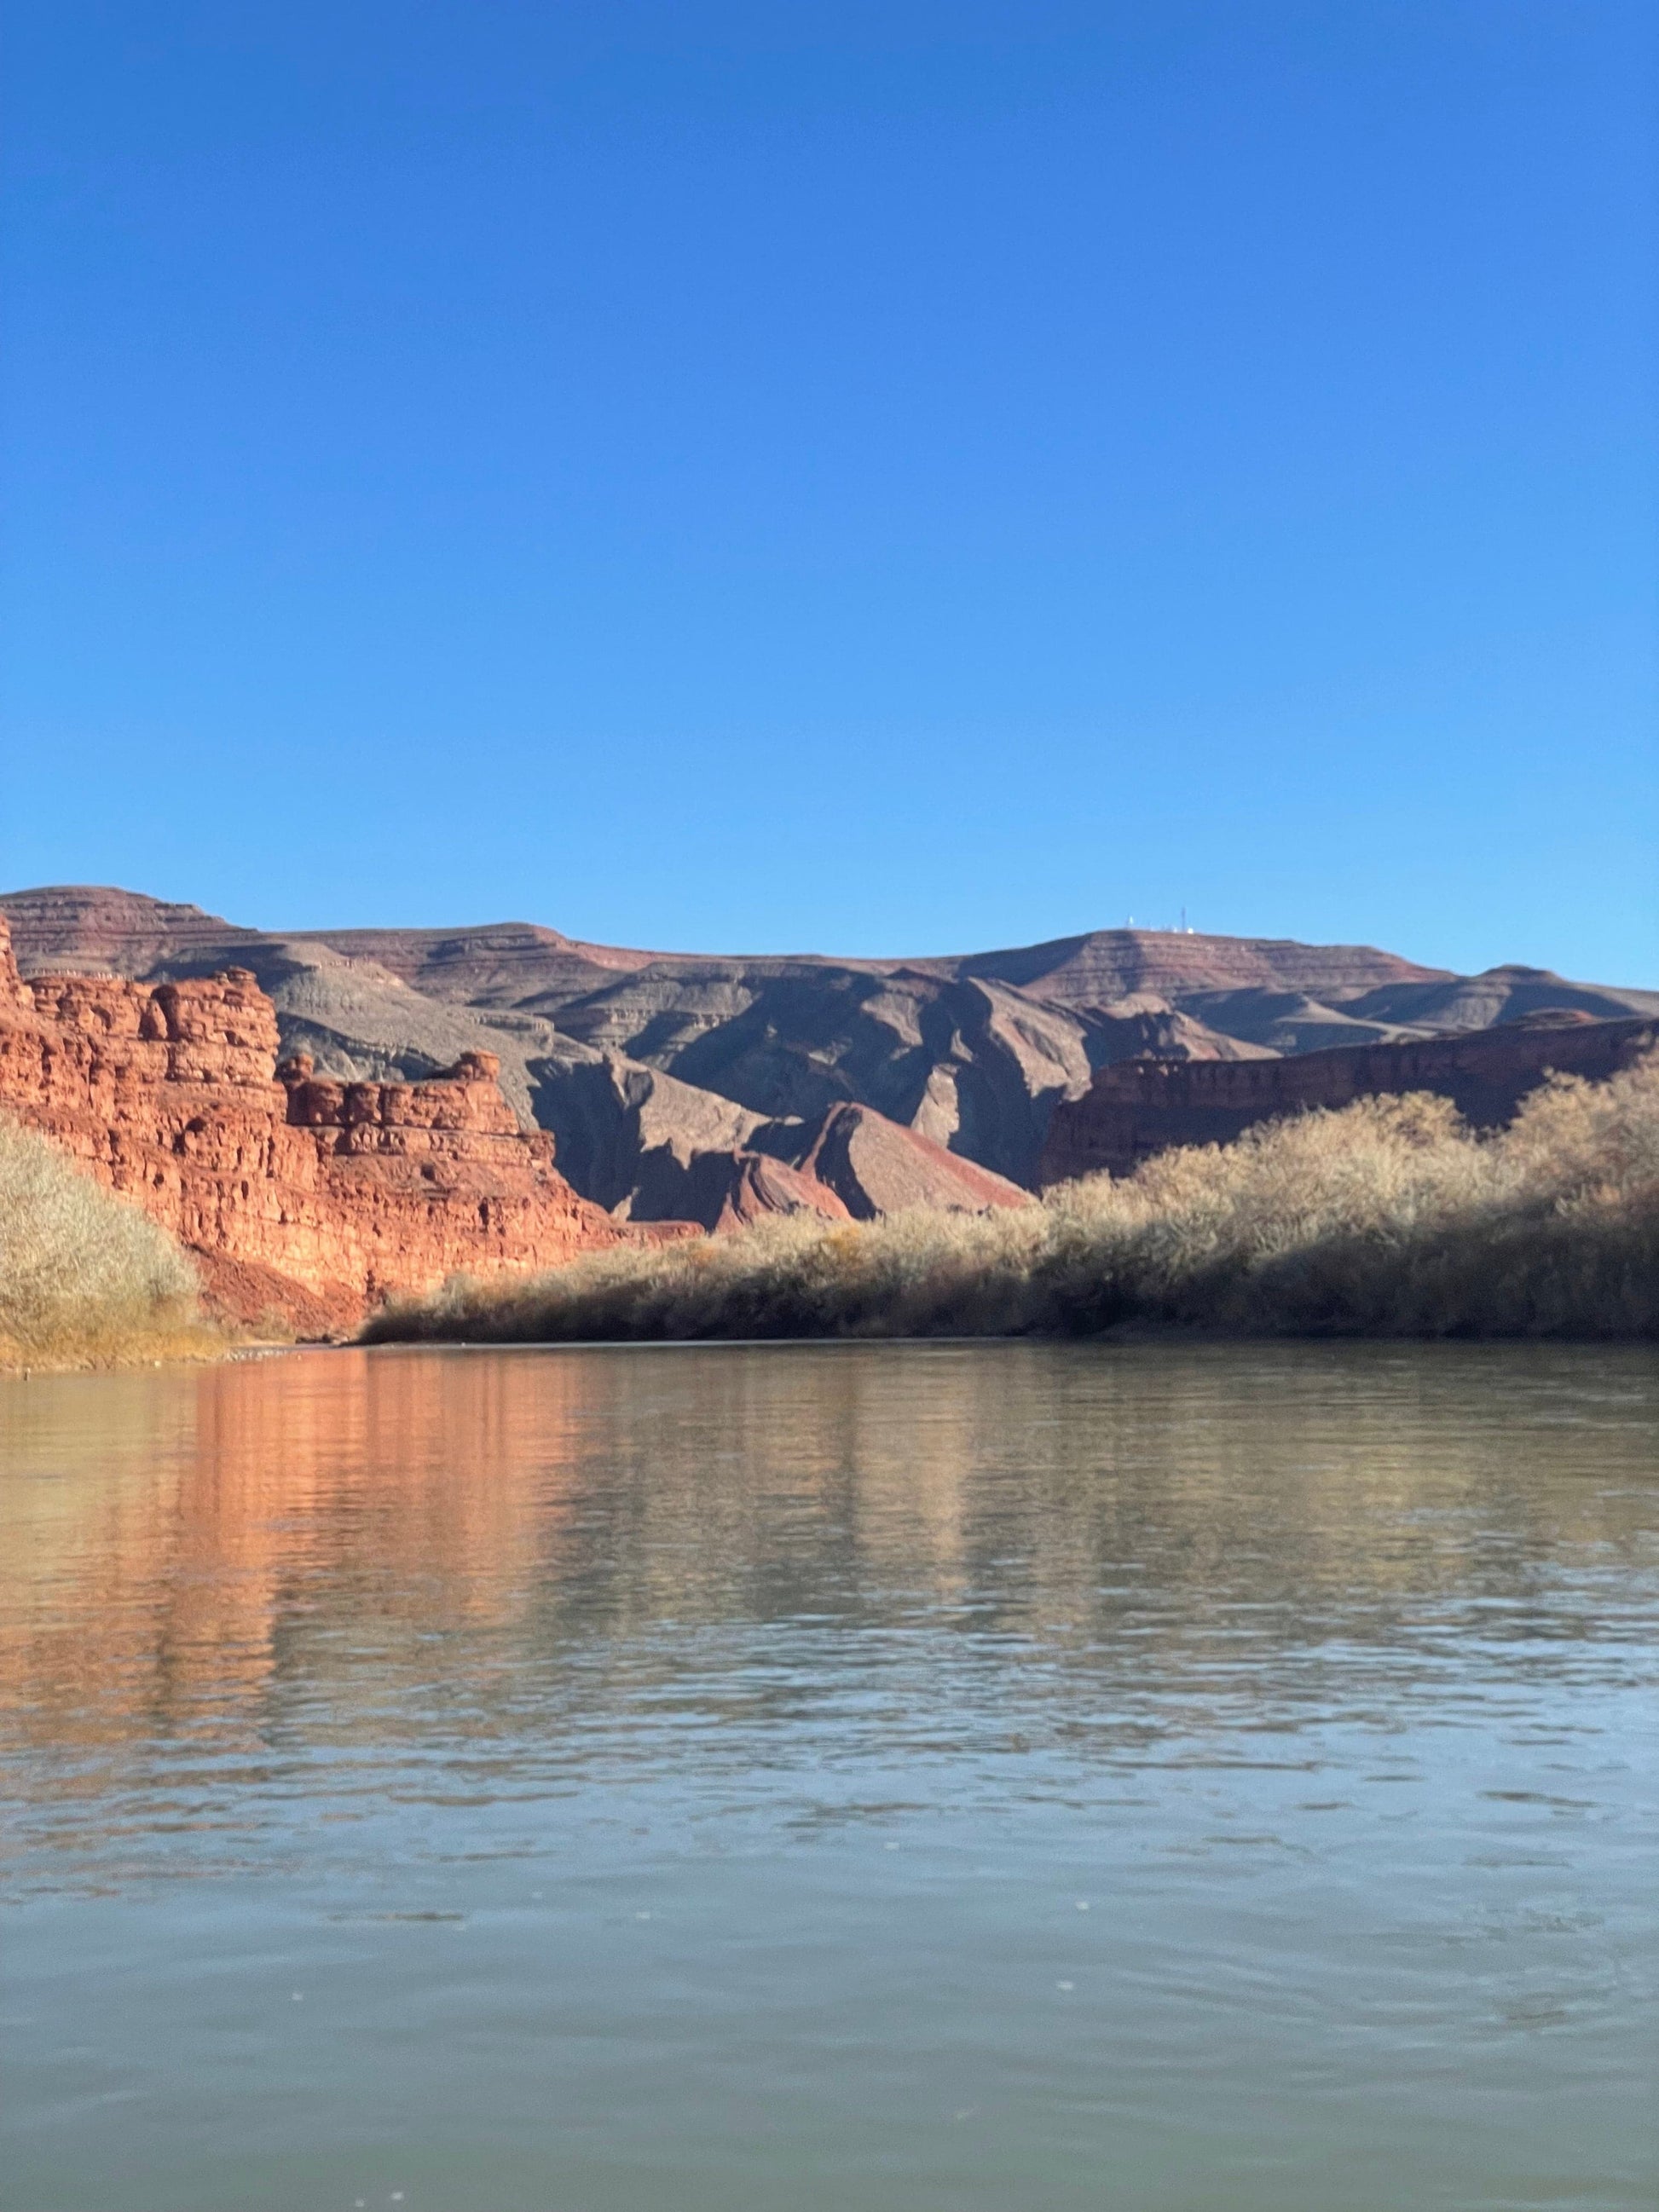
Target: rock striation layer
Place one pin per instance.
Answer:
(305, 1201)
(848, 1163)
(1138, 1108)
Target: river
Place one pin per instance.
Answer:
(725, 1779)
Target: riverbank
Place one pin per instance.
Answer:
(1386, 1219)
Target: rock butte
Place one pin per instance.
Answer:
(304, 1202)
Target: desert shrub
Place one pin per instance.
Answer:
(1387, 1218)
(83, 1275)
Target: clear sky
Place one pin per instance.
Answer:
(894, 478)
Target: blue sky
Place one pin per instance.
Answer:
(899, 477)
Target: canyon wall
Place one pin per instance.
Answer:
(305, 1202)
(1136, 1108)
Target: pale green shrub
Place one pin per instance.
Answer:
(82, 1273)
(1387, 1217)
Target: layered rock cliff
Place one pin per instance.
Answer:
(307, 1199)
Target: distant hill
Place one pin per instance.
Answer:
(682, 1084)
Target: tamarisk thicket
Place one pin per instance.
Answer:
(85, 1278)
(1387, 1217)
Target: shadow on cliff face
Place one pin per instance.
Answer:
(645, 1088)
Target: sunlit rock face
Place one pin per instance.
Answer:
(305, 1201)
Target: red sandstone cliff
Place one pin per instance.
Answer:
(1140, 1106)
(313, 1200)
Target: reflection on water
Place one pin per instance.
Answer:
(955, 1775)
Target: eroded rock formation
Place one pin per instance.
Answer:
(848, 1163)
(307, 1198)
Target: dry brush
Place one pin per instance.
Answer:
(1389, 1217)
(86, 1279)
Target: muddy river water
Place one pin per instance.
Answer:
(772, 1779)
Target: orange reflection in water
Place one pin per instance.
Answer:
(160, 1530)
(177, 1548)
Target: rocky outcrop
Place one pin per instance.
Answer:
(847, 1164)
(626, 1132)
(310, 1198)
(728, 1190)
(876, 1168)
(973, 1067)
(1141, 1107)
